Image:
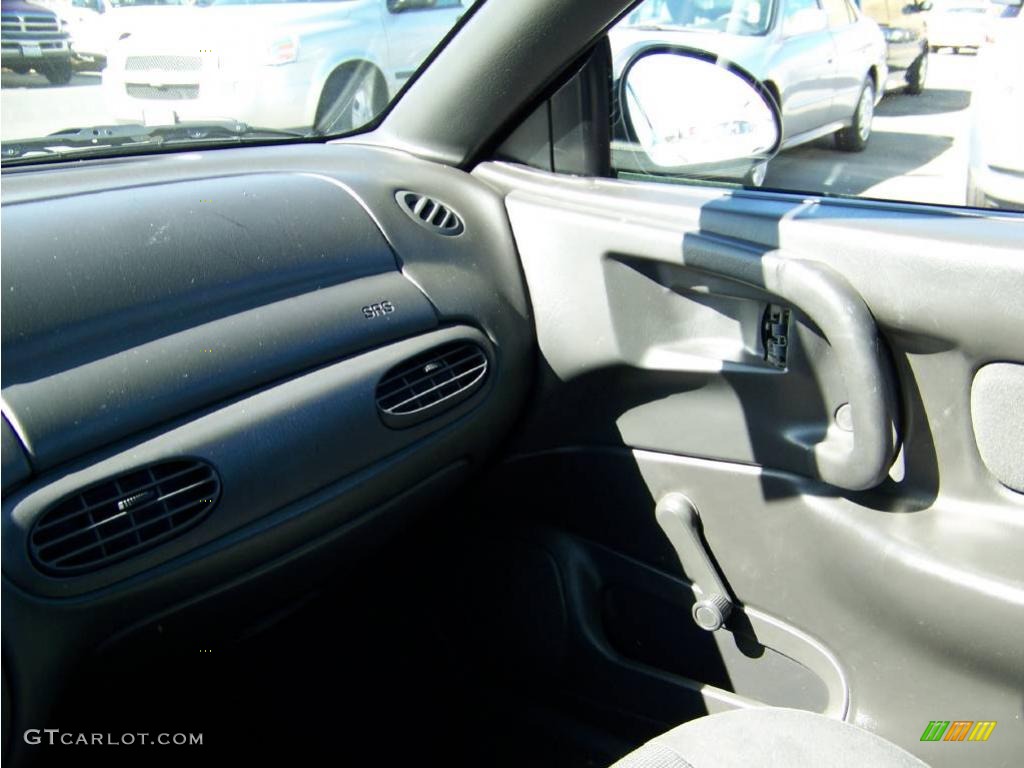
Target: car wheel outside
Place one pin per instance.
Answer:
(352, 97)
(20, 69)
(917, 74)
(855, 137)
(58, 72)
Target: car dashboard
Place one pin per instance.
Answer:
(214, 371)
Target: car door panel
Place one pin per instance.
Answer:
(808, 62)
(654, 382)
(854, 43)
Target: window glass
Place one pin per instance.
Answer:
(737, 17)
(795, 13)
(838, 11)
(909, 101)
(156, 73)
(132, 3)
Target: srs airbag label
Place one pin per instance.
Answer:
(381, 308)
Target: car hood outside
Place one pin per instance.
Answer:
(217, 28)
(20, 6)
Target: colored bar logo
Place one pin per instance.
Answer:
(958, 730)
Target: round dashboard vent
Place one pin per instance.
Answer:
(430, 213)
(123, 516)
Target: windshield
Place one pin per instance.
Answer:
(737, 17)
(258, 2)
(133, 3)
(143, 74)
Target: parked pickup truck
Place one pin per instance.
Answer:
(34, 38)
(95, 25)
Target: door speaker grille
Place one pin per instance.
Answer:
(431, 383)
(123, 516)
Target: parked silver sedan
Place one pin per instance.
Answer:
(822, 60)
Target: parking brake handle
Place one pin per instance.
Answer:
(678, 518)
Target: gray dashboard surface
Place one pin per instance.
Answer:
(233, 311)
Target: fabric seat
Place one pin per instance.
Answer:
(768, 737)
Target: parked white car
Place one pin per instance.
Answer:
(958, 24)
(95, 34)
(289, 64)
(995, 172)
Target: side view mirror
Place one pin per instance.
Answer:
(804, 21)
(685, 111)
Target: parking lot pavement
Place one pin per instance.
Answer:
(30, 106)
(917, 151)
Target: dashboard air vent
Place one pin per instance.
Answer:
(430, 213)
(431, 383)
(123, 516)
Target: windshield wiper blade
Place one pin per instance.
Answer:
(105, 136)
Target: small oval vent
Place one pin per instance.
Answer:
(123, 516)
(431, 383)
(431, 213)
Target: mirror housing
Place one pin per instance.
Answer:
(687, 112)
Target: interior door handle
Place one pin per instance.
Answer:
(854, 460)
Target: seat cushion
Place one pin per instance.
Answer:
(768, 737)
